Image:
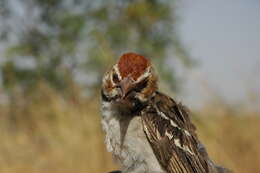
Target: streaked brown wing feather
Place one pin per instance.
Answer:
(172, 136)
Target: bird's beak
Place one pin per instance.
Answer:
(126, 85)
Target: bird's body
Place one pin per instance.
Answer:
(147, 131)
(134, 152)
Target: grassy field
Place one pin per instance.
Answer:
(41, 132)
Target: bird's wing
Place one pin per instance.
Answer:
(172, 137)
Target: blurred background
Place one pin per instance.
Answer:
(53, 54)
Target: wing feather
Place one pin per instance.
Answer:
(172, 136)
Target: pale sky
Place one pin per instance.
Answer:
(224, 36)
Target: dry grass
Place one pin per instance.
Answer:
(232, 139)
(41, 132)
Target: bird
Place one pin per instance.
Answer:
(146, 130)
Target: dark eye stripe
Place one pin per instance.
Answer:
(115, 78)
(140, 86)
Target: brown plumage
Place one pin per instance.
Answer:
(178, 150)
(134, 64)
(147, 131)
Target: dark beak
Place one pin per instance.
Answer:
(126, 85)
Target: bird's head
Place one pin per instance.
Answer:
(131, 79)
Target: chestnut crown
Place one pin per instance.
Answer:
(134, 65)
(132, 77)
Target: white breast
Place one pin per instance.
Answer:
(135, 154)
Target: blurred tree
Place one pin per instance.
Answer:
(62, 41)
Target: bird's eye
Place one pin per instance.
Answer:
(141, 85)
(115, 78)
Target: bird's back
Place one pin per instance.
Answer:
(173, 138)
